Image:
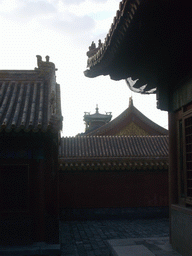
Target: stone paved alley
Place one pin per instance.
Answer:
(89, 237)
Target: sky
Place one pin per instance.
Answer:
(64, 29)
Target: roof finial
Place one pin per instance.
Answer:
(97, 109)
(100, 43)
(39, 60)
(130, 101)
(45, 65)
(47, 58)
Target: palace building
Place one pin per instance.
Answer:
(149, 42)
(30, 125)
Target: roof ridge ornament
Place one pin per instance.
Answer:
(97, 109)
(93, 49)
(47, 70)
(45, 65)
(130, 101)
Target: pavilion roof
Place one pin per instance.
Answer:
(30, 100)
(97, 116)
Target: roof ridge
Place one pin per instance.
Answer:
(112, 136)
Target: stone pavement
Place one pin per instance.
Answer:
(152, 246)
(95, 237)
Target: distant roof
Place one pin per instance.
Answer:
(97, 116)
(124, 152)
(131, 114)
(30, 99)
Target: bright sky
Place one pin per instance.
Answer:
(64, 29)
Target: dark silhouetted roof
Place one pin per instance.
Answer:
(120, 151)
(148, 40)
(30, 100)
(99, 58)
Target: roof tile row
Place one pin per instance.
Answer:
(24, 106)
(113, 146)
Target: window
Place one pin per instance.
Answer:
(188, 148)
(185, 155)
(181, 171)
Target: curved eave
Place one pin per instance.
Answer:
(113, 164)
(98, 118)
(99, 63)
(39, 128)
(148, 40)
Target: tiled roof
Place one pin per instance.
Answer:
(147, 41)
(127, 116)
(137, 152)
(105, 53)
(30, 100)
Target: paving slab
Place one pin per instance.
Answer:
(154, 246)
(121, 242)
(131, 250)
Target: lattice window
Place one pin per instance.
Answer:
(181, 165)
(185, 155)
(188, 148)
